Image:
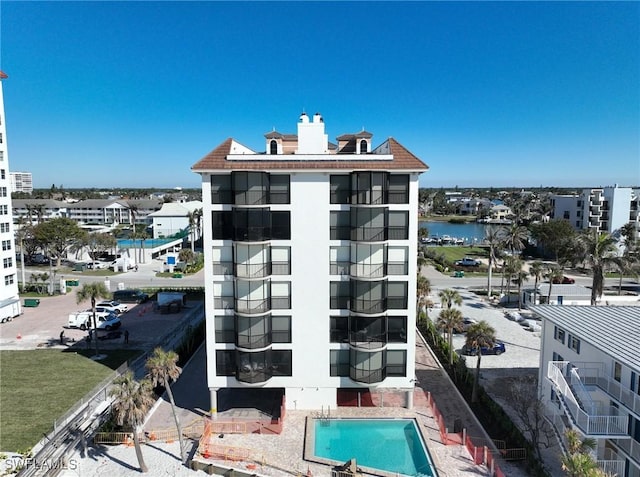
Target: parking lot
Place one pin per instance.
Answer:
(40, 327)
(522, 354)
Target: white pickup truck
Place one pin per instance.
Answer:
(84, 320)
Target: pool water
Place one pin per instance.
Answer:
(148, 243)
(393, 445)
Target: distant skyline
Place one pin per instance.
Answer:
(503, 94)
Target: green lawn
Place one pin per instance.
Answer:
(453, 254)
(38, 386)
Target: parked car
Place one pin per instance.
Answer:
(498, 348)
(468, 262)
(84, 320)
(466, 323)
(563, 280)
(114, 306)
(130, 296)
(97, 265)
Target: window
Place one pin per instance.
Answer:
(338, 329)
(281, 329)
(363, 146)
(339, 362)
(399, 189)
(574, 344)
(397, 329)
(0, 138)
(221, 190)
(557, 357)
(397, 295)
(250, 188)
(368, 187)
(340, 189)
(617, 371)
(222, 225)
(281, 362)
(398, 225)
(279, 189)
(225, 363)
(558, 334)
(4, 227)
(273, 147)
(339, 225)
(339, 295)
(565, 215)
(2, 174)
(3, 191)
(281, 225)
(225, 329)
(7, 262)
(4, 210)
(8, 280)
(396, 362)
(6, 245)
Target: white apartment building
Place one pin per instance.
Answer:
(9, 299)
(173, 218)
(604, 209)
(21, 182)
(590, 378)
(310, 266)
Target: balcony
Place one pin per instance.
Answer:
(368, 234)
(592, 421)
(365, 340)
(367, 376)
(368, 306)
(223, 268)
(253, 341)
(249, 307)
(252, 270)
(630, 447)
(339, 268)
(368, 270)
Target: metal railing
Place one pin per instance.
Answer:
(590, 425)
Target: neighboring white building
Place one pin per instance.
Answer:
(9, 298)
(21, 182)
(173, 218)
(604, 209)
(310, 269)
(590, 378)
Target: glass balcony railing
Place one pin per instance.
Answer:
(367, 376)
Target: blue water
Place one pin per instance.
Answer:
(471, 232)
(393, 445)
(149, 243)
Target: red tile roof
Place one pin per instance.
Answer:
(216, 160)
(3, 75)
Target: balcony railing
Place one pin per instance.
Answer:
(366, 375)
(631, 447)
(592, 374)
(368, 270)
(252, 270)
(368, 306)
(339, 268)
(280, 268)
(261, 305)
(590, 424)
(253, 341)
(611, 463)
(364, 340)
(397, 268)
(223, 302)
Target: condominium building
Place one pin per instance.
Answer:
(590, 378)
(310, 266)
(21, 182)
(604, 209)
(9, 299)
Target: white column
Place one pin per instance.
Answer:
(213, 399)
(409, 399)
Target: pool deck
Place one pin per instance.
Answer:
(288, 454)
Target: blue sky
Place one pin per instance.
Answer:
(487, 94)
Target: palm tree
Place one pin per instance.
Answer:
(520, 278)
(578, 461)
(479, 335)
(93, 291)
(450, 320)
(493, 237)
(423, 290)
(513, 266)
(191, 216)
(600, 252)
(536, 271)
(162, 367)
(516, 237)
(553, 274)
(133, 210)
(132, 400)
(449, 297)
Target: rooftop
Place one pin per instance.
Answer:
(611, 329)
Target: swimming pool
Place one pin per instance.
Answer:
(148, 243)
(392, 445)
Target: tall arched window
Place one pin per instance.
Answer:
(273, 146)
(363, 147)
